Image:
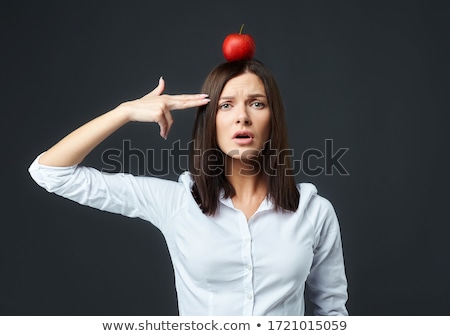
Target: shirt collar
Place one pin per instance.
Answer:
(266, 204)
(186, 179)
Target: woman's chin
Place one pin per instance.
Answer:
(246, 155)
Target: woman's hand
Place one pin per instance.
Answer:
(156, 107)
(153, 107)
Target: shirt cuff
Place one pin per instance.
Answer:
(42, 174)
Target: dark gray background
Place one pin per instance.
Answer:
(371, 75)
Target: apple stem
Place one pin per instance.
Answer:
(240, 31)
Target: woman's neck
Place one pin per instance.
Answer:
(247, 178)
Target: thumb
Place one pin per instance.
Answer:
(157, 91)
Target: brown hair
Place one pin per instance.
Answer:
(208, 171)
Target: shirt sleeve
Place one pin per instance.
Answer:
(149, 198)
(326, 284)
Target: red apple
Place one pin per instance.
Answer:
(238, 46)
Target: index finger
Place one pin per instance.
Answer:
(179, 102)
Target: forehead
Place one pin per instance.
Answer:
(244, 83)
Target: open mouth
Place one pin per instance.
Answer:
(243, 135)
(243, 138)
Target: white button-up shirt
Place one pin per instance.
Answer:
(224, 264)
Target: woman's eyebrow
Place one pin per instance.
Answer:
(253, 95)
(226, 97)
(257, 95)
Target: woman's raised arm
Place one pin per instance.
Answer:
(153, 107)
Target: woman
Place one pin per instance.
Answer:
(243, 238)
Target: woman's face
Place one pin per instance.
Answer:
(243, 117)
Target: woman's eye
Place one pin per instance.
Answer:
(258, 105)
(224, 106)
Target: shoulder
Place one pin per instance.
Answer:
(161, 187)
(310, 197)
(185, 180)
(315, 207)
(181, 188)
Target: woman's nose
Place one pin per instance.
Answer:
(242, 117)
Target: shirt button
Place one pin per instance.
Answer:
(249, 296)
(247, 240)
(249, 267)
